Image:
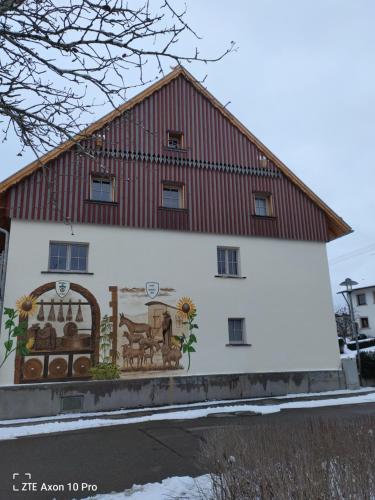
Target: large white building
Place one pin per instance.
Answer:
(188, 209)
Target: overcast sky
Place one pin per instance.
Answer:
(303, 81)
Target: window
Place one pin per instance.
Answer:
(361, 299)
(227, 261)
(68, 257)
(263, 160)
(236, 330)
(175, 140)
(102, 189)
(263, 207)
(364, 323)
(172, 196)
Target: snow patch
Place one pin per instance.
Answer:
(189, 414)
(198, 488)
(124, 411)
(352, 354)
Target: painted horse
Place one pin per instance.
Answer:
(135, 327)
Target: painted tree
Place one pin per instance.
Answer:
(56, 55)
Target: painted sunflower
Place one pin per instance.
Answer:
(26, 306)
(176, 341)
(186, 308)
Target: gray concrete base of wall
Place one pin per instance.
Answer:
(40, 400)
(349, 366)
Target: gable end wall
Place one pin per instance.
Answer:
(219, 167)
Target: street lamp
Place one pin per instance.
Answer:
(348, 284)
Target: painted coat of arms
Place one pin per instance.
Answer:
(62, 288)
(152, 289)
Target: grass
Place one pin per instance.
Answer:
(318, 459)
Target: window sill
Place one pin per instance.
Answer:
(238, 345)
(172, 209)
(66, 272)
(175, 150)
(265, 217)
(101, 202)
(229, 276)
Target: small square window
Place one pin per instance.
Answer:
(361, 299)
(365, 323)
(263, 160)
(236, 330)
(227, 261)
(175, 140)
(68, 257)
(102, 189)
(173, 196)
(263, 206)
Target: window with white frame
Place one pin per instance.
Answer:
(236, 330)
(71, 257)
(102, 189)
(228, 261)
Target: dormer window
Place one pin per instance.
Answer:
(175, 140)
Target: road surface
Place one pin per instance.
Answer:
(115, 458)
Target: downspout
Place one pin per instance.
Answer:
(4, 272)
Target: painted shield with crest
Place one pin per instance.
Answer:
(152, 289)
(62, 288)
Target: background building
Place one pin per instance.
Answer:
(364, 309)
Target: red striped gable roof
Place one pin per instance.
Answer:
(336, 226)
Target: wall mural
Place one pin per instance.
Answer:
(152, 335)
(63, 337)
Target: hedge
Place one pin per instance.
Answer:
(368, 364)
(362, 344)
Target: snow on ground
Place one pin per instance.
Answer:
(186, 414)
(110, 413)
(198, 488)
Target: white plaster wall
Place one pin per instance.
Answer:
(285, 298)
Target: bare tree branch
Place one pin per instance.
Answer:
(54, 55)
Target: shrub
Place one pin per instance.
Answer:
(368, 364)
(105, 371)
(320, 459)
(362, 344)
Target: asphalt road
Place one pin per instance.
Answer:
(115, 458)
